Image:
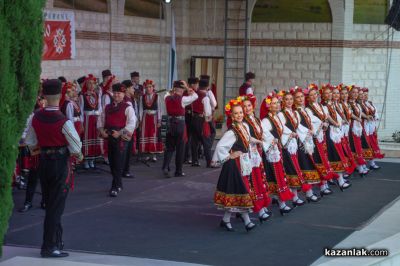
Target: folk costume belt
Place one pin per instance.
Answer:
(76, 119)
(198, 115)
(93, 112)
(150, 112)
(54, 150)
(176, 117)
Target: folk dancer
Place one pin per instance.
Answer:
(117, 123)
(175, 104)
(57, 138)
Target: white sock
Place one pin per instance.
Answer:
(266, 210)
(246, 218)
(309, 193)
(227, 217)
(372, 163)
(294, 191)
(326, 186)
(340, 179)
(261, 213)
(282, 204)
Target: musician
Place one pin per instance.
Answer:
(57, 139)
(117, 123)
(201, 116)
(175, 104)
(247, 86)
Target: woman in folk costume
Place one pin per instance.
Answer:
(339, 162)
(371, 128)
(258, 186)
(290, 123)
(319, 123)
(150, 119)
(345, 116)
(356, 131)
(69, 106)
(367, 150)
(232, 194)
(90, 104)
(299, 167)
(274, 138)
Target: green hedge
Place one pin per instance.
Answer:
(21, 41)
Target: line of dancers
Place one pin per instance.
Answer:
(304, 141)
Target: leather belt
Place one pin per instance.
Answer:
(54, 150)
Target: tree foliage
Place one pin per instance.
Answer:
(21, 41)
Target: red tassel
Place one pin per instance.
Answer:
(206, 129)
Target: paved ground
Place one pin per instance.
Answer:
(174, 219)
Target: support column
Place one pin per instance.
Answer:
(116, 10)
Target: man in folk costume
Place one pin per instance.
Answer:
(117, 123)
(90, 104)
(57, 139)
(213, 103)
(247, 86)
(130, 99)
(320, 125)
(193, 83)
(356, 129)
(334, 135)
(138, 88)
(106, 98)
(371, 128)
(150, 121)
(175, 104)
(202, 114)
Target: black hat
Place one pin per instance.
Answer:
(179, 84)
(250, 75)
(62, 79)
(135, 74)
(106, 73)
(127, 83)
(51, 87)
(207, 77)
(193, 80)
(81, 80)
(118, 87)
(204, 83)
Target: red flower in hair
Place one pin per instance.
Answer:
(88, 78)
(148, 82)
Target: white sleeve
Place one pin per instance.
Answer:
(130, 119)
(140, 109)
(74, 141)
(272, 151)
(285, 130)
(28, 125)
(213, 101)
(207, 106)
(69, 112)
(315, 121)
(31, 139)
(101, 120)
(224, 145)
(249, 90)
(186, 100)
(100, 107)
(105, 100)
(159, 114)
(302, 131)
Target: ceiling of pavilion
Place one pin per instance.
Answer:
(140, 8)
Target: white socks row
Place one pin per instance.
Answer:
(283, 206)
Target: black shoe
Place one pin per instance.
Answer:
(298, 203)
(113, 193)
(197, 164)
(374, 167)
(179, 174)
(166, 173)
(119, 189)
(250, 226)
(332, 183)
(325, 192)
(128, 175)
(343, 187)
(225, 225)
(27, 207)
(283, 211)
(275, 201)
(263, 218)
(43, 205)
(313, 199)
(53, 254)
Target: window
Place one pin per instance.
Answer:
(87, 5)
(292, 11)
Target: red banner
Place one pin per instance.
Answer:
(59, 36)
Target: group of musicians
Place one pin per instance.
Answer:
(303, 139)
(296, 143)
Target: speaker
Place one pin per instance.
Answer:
(393, 18)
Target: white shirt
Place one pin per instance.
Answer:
(131, 120)
(213, 101)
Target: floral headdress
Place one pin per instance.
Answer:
(229, 106)
(148, 82)
(297, 89)
(249, 97)
(89, 77)
(266, 103)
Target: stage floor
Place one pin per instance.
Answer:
(175, 219)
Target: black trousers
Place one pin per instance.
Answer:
(213, 131)
(174, 142)
(128, 156)
(188, 122)
(198, 138)
(53, 171)
(31, 187)
(117, 149)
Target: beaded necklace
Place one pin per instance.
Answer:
(355, 108)
(91, 96)
(332, 111)
(256, 125)
(293, 120)
(242, 133)
(346, 110)
(319, 112)
(149, 103)
(279, 128)
(306, 117)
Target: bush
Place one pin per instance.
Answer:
(21, 41)
(396, 136)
